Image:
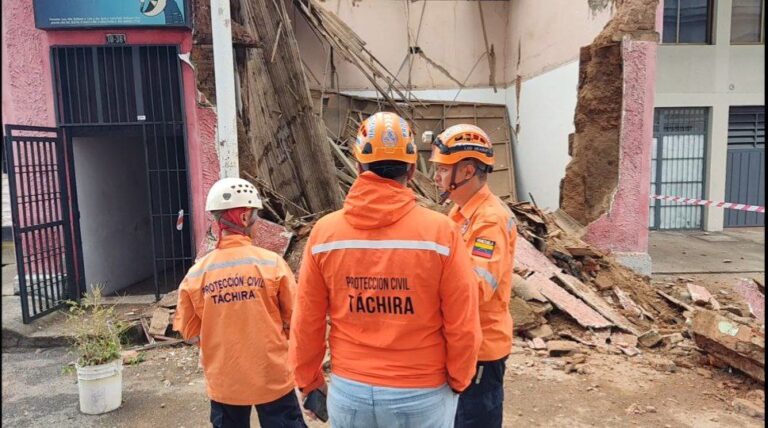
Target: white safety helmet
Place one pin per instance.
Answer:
(229, 193)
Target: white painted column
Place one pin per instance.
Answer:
(717, 150)
(226, 105)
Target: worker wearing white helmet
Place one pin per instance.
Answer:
(239, 300)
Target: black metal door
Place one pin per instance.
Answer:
(745, 171)
(137, 86)
(39, 186)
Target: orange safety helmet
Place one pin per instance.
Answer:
(460, 142)
(385, 136)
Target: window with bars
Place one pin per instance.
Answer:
(747, 17)
(687, 21)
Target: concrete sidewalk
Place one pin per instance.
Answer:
(49, 330)
(736, 250)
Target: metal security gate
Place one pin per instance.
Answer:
(745, 172)
(137, 86)
(678, 166)
(42, 219)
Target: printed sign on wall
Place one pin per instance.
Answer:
(70, 14)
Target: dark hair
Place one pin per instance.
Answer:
(393, 170)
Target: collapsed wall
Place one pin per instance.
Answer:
(592, 176)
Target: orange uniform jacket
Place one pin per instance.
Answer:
(489, 233)
(398, 287)
(239, 300)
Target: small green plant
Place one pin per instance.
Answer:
(96, 329)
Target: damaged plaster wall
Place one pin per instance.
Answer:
(592, 176)
(450, 37)
(542, 65)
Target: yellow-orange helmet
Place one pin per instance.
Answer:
(385, 136)
(461, 142)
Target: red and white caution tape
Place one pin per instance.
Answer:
(704, 202)
(180, 220)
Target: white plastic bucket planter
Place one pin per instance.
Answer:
(101, 387)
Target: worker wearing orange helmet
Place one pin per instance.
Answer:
(398, 287)
(239, 300)
(463, 158)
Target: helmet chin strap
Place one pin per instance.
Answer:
(454, 185)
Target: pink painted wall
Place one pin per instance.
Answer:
(27, 89)
(625, 227)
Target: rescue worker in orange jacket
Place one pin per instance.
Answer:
(239, 300)
(463, 157)
(398, 287)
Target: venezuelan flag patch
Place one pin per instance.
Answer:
(483, 248)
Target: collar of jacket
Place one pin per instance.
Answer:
(374, 202)
(233, 241)
(469, 209)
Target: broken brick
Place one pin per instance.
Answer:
(650, 338)
(738, 345)
(752, 296)
(700, 296)
(673, 338)
(271, 236)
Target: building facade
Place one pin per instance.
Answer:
(131, 154)
(709, 122)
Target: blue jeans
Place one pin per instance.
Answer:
(354, 404)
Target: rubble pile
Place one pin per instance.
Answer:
(565, 289)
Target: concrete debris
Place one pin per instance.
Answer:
(748, 408)
(700, 296)
(560, 348)
(662, 364)
(523, 289)
(537, 344)
(753, 297)
(595, 301)
(529, 258)
(523, 317)
(630, 351)
(738, 345)
(734, 310)
(627, 303)
(624, 340)
(675, 301)
(650, 338)
(542, 331)
(672, 339)
(574, 307)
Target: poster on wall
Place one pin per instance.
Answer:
(71, 14)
